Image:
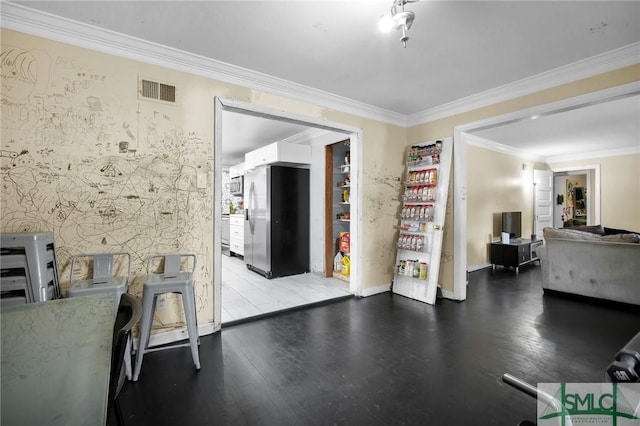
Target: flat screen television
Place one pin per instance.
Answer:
(512, 223)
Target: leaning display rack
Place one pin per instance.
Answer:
(421, 227)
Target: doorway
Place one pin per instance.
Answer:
(317, 219)
(576, 196)
(460, 167)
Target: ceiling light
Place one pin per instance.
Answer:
(398, 19)
(386, 24)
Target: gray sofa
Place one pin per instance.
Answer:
(588, 264)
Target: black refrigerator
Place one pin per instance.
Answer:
(276, 225)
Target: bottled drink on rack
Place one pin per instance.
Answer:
(423, 271)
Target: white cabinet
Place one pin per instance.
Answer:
(236, 170)
(236, 234)
(224, 236)
(278, 152)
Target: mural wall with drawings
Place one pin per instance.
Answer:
(84, 158)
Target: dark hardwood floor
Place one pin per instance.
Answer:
(387, 360)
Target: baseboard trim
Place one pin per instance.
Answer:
(372, 291)
(474, 268)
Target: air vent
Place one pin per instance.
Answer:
(167, 93)
(156, 91)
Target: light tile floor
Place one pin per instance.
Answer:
(246, 294)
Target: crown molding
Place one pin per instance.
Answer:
(503, 149)
(593, 155)
(608, 61)
(24, 19)
(30, 21)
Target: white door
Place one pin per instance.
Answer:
(543, 181)
(559, 189)
(425, 224)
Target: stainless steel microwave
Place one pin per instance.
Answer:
(236, 185)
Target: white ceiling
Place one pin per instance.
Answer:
(242, 133)
(605, 126)
(456, 49)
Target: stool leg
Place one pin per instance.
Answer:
(29, 290)
(127, 359)
(148, 306)
(188, 301)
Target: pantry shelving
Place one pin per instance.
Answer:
(340, 159)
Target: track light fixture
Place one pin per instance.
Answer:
(398, 19)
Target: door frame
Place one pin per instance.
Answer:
(593, 190)
(328, 208)
(460, 278)
(353, 133)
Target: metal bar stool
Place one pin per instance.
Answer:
(14, 279)
(172, 280)
(103, 280)
(39, 261)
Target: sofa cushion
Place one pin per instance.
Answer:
(570, 234)
(594, 229)
(613, 231)
(622, 238)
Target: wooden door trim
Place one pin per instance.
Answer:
(328, 210)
